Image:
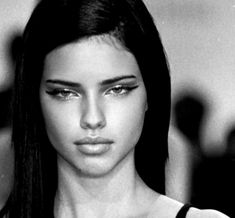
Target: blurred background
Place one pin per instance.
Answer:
(199, 38)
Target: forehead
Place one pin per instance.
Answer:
(92, 58)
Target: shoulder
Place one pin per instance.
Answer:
(197, 213)
(165, 207)
(168, 207)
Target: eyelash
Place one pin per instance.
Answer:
(124, 90)
(66, 94)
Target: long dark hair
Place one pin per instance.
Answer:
(57, 22)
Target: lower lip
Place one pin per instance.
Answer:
(91, 149)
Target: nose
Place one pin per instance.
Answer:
(92, 115)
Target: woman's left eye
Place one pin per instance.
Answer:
(120, 90)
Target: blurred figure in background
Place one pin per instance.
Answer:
(188, 114)
(201, 179)
(214, 179)
(6, 153)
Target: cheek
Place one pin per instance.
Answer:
(60, 122)
(127, 120)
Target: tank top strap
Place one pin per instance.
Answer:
(183, 211)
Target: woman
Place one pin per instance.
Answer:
(89, 72)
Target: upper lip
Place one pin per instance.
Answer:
(93, 141)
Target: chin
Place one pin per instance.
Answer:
(95, 171)
(94, 167)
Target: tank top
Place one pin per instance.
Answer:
(183, 211)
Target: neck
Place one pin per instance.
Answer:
(81, 196)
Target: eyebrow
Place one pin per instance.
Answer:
(116, 79)
(102, 83)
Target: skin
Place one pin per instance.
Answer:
(90, 107)
(107, 98)
(94, 88)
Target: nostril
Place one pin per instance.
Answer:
(92, 118)
(92, 125)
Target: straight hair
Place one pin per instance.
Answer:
(53, 24)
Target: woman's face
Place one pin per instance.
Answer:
(93, 101)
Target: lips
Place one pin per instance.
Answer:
(93, 141)
(94, 146)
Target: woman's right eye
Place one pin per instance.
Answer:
(63, 94)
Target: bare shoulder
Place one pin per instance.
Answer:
(166, 207)
(196, 213)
